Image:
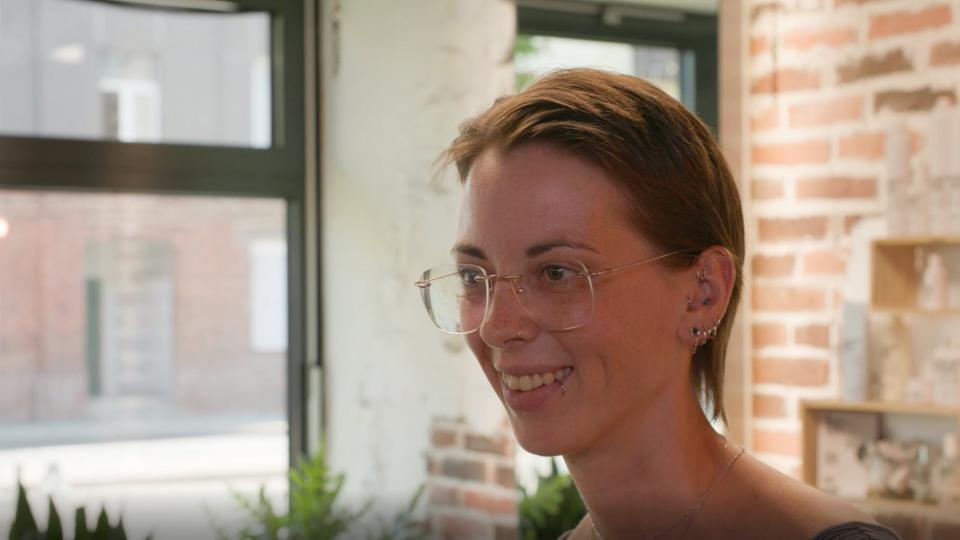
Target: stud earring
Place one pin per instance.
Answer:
(689, 304)
(706, 301)
(701, 274)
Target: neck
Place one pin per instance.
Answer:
(642, 479)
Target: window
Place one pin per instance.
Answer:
(152, 214)
(676, 50)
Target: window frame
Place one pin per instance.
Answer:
(280, 171)
(637, 25)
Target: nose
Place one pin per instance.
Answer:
(507, 321)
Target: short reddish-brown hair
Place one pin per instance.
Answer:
(678, 188)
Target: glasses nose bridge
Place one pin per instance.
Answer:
(513, 279)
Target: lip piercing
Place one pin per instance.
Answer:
(563, 389)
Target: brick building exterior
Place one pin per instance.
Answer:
(133, 304)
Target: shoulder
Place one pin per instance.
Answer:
(857, 531)
(785, 507)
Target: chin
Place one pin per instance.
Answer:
(541, 438)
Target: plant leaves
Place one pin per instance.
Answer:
(54, 527)
(24, 525)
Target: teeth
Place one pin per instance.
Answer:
(530, 382)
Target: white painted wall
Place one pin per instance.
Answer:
(398, 78)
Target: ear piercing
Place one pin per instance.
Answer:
(702, 335)
(705, 302)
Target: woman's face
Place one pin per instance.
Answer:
(539, 203)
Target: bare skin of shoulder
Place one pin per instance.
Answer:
(755, 501)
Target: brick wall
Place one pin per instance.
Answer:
(827, 80)
(472, 490)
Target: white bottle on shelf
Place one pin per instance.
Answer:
(934, 284)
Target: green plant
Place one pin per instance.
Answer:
(523, 46)
(313, 512)
(554, 508)
(25, 526)
(404, 525)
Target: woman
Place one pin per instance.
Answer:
(597, 271)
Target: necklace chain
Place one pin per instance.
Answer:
(696, 505)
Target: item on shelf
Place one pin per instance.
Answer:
(890, 466)
(841, 437)
(946, 485)
(921, 476)
(891, 356)
(853, 353)
(946, 373)
(898, 181)
(934, 284)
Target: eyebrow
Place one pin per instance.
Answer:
(532, 251)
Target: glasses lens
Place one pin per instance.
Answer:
(455, 297)
(558, 295)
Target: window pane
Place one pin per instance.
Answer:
(92, 70)
(536, 55)
(132, 369)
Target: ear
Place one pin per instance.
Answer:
(709, 284)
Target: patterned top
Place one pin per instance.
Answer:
(853, 530)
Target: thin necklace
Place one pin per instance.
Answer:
(693, 509)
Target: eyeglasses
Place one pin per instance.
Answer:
(557, 294)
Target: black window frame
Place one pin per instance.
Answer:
(638, 25)
(279, 171)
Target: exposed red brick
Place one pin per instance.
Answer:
(920, 99)
(494, 504)
(781, 229)
(795, 372)
(766, 189)
(805, 38)
(824, 262)
(905, 22)
(865, 146)
(768, 441)
(443, 496)
(505, 532)
(773, 298)
(874, 66)
(451, 526)
(772, 265)
(760, 9)
(836, 187)
(443, 438)
(849, 222)
(759, 44)
(506, 477)
(945, 53)
(769, 334)
(820, 113)
(795, 153)
(814, 335)
(464, 469)
(766, 119)
(786, 80)
(489, 445)
(767, 406)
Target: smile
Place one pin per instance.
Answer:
(531, 382)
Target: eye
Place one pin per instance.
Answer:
(470, 276)
(558, 273)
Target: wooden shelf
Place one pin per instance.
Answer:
(880, 407)
(896, 310)
(810, 411)
(896, 268)
(936, 512)
(919, 241)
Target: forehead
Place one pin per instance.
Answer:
(538, 192)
